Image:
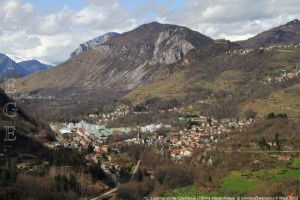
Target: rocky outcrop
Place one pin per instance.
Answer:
(121, 63)
(93, 43)
(169, 48)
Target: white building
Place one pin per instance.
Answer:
(154, 127)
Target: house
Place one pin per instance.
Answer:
(284, 158)
(93, 116)
(153, 127)
(65, 131)
(185, 153)
(104, 149)
(49, 145)
(56, 144)
(97, 148)
(177, 154)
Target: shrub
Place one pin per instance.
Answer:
(250, 113)
(6, 177)
(140, 108)
(279, 115)
(263, 144)
(174, 176)
(135, 190)
(271, 115)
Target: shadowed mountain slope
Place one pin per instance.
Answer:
(32, 66)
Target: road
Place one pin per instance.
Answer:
(136, 168)
(106, 194)
(109, 192)
(60, 138)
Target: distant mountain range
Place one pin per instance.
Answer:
(151, 44)
(32, 66)
(9, 68)
(19, 59)
(283, 35)
(16, 66)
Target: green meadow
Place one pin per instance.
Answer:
(242, 182)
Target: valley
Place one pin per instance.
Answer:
(159, 111)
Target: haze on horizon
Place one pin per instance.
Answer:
(51, 30)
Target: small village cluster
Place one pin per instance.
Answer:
(120, 111)
(240, 51)
(204, 133)
(81, 135)
(285, 75)
(268, 48)
(181, 143)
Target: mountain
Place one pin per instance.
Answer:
(9, 68)
(166, 64)
(19, 59)
(17, 66)
(32, 66)
(27, 148)
(283, 35)
(122, 63)
(94, 42)
(223, 80)
(26, 123)
(29, 131)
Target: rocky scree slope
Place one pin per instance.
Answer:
(124, 62)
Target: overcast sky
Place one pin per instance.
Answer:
(51, 29)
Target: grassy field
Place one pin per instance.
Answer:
(237, 183)
(243, 181)
(177, 85)
(296, 164)
(172, 87)
(282, 101)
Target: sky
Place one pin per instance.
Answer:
(50, 30)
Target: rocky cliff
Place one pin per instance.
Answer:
(122, 63)
(94, 42)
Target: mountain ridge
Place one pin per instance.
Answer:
(9, 68)
(19, 59)
(286, 34)
(166, 62)
(32, 66)
(94, 42)
(124, 62)
(16, 66)
(25, 123)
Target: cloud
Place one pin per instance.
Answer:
(236, 19)
(52, 37)
(27, 31)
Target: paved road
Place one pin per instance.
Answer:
(106, 194)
